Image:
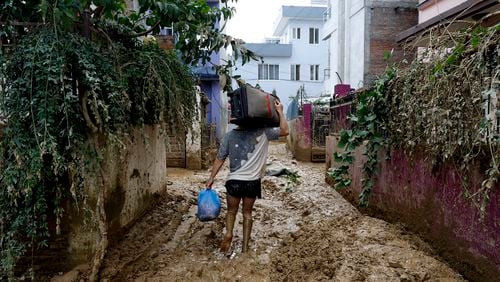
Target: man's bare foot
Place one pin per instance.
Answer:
(226, 243)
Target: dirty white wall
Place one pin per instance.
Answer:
(345, 32)
(356, 42)
(136, 174)
(359, 32)
(193, 139)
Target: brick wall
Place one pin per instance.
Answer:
(387, 21)
(176, 150)
(209, 145)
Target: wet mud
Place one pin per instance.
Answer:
(302, 233)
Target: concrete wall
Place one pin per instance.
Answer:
(217, 109)
(429, 201)
(299, 139)
(355, 44)
(193, 140)
(331, 33)
(136, 175)
(345, 33)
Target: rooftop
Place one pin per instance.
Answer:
(270, 49)
(312, 13)
(467, 12)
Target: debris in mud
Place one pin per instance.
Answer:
(277, 170)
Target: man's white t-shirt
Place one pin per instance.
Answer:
(247, 150)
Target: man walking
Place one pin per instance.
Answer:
(247, 149)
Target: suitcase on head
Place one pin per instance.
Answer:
(252, 107)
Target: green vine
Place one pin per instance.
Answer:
(368, 126)
(441, 105)
(50, 80)
(438, 106)
(76, 78)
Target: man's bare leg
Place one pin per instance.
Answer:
(247, 222)
(233, 204)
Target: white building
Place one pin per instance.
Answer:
(296, 56)
(359, 33)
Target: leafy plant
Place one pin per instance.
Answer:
(368, 128)
(59, 93)
(435, 106)
(75, 80)
(292, 180)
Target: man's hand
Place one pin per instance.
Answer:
(283, 122)
(278, 106)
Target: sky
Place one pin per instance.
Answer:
(254, 19)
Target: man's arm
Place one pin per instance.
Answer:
(219, 160)
(283, 122)
(215, 169)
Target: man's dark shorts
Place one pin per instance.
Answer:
(244, 189)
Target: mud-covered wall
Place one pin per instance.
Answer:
(135, 174)
(193, 140)
(429, 200)
(299, 138)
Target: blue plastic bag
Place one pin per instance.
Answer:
(208, 205)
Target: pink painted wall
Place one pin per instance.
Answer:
(435, 7)
(430, 201)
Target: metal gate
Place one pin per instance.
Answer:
(320, 127)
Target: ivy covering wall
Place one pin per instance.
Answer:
(443, 105)
(58, 90)
(75, 78)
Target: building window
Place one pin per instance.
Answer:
(269, 72)
(296, 33)
(295, 72)
(314, 35)
(314, 72)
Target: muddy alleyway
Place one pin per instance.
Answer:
(308, 234)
